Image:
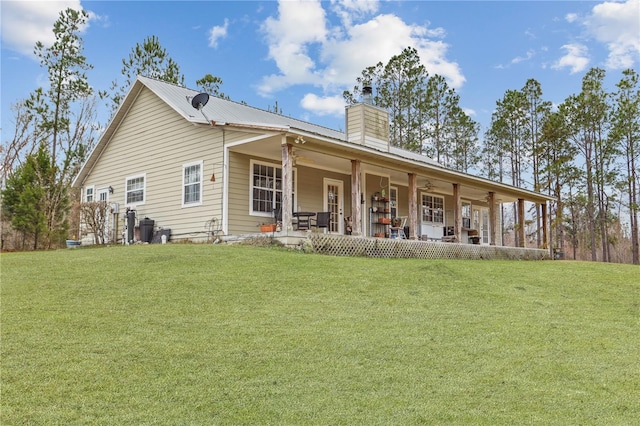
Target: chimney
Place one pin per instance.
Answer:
(367, 95)
(367, 124)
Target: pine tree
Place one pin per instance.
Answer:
(626, 132)
(25, 197)
(64, 115)
(148, 59)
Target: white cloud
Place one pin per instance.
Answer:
(329, 105)
(217, 32)
(618, 26)
(308, 49)
(350, 10)
(530, 54)
(299, 26)
(571, 17)
(576, 58)
(26, 22)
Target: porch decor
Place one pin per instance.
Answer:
(268, 228)
(341, 245)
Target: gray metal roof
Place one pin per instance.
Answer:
(223, 111)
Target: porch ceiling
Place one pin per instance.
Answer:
(325, 155)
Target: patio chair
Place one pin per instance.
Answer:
(322, 220)
(398, 231)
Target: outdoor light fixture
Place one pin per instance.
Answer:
(213, 177)
(110, 189)
(300, 140)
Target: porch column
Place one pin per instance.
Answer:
(287, 185)
(492, 218)
(545, 229)
(521, 223)
(457, 212)
(413, 206)
(356, 195)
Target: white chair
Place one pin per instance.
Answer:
(399, 230)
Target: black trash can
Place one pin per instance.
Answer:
(131, 225)
(146, 230)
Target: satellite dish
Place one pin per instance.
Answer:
(200, 100)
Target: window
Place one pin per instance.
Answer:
(266, 188)
(135, 189)
(432, 209)
(88, 194)
(192, 184)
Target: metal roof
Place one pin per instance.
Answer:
(223, 111)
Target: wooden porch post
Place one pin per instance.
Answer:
(545, 229)
(413, 206)
(287, 185)
(492, 218)
(521, 222)
(457, 212)
(356, 191)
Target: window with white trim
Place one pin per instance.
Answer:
(266, 188)
(88, 193)
(432, 209)
(135, 190)
(192, 184)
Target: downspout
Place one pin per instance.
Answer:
(225, 185)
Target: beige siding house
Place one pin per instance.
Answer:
(227, 167)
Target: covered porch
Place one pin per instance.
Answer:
(364, 189)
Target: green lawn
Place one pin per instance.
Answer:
(231, 335)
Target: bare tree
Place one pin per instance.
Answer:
(93, 217)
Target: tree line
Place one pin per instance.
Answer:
(583, 153)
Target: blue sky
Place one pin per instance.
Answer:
(302, 55)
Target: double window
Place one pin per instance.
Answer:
(266, 188)
(135, 190)
(192, 184)
(432, 209)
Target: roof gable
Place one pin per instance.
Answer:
(223, 111)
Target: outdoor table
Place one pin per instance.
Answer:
(304, 220)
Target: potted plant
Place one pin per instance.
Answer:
(271, 227)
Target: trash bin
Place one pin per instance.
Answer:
(131, 224)
(146, 230)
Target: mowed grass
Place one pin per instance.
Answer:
(233, 335)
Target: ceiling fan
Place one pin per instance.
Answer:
(426, 185)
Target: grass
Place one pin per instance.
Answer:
(231, 335)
